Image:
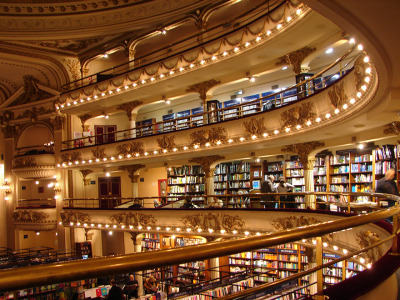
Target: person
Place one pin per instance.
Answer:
(267, 186)
(115, 293)
(136, 204)
(215, 203)
(387, 185)
(156, 203)
(131, 287)
(283, 187)
(150, 285)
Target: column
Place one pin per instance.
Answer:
(8, 206)
(209, 183)
(309, 182)
(132, 125)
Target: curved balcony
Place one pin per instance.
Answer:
(251, 125)
(34, 163)
(35, 219)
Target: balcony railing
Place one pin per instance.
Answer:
(265, 102)
(55, 273)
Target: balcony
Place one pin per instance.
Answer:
(34, 162)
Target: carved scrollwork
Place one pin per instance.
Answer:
(204, 136)
(367, 238)
(99, 152)
(71, 157)
(30, 216)
(167, 142)
(25, 162)
(297, 115)
(337, 95)
(359, 71)
(392, 128)
(293, 222)
(71, 216)
(131, 169)
(32, 92)
(214, 221)
(129, 107)
(134, 219)
(85, 173)
(203, 87)
(255, 126)
(130, 148)
(295, 58)
(206, 161)
(303, 150)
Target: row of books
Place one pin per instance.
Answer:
(186, 170)
(365, 167)
(184, 180)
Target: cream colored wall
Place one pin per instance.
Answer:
(97, 247)
(31, 189)
(129, 246)
(45, 239)
(149, 185)
(120, 119)
(34, 136)
(103, 63)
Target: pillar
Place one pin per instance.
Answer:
(9, 205)
(132, 125)
(209, 182)
(309, 182)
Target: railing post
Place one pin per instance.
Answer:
(395, 246)
(319, 261)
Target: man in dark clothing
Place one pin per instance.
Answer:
(388, 186)
(267, 186)
(115, 292)
(131, 287)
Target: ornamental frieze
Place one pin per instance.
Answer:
(131, 169)
(392, 128)
(203, 136)
(32, 92)
(25, 162)
(295, 58)
(203, 87)
(166, 142)
(298, 115)
(213, 221)
(359, 71)
(367, 238)
(130, 148)
(337, 96)
(129, 107)
(30, 216)
(206, 161)
(303, 150)
(99, 152)
(134, 219)
(255, 126)
(71, 157)
(72, 216)
(293, 222)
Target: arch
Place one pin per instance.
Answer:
(34, 135)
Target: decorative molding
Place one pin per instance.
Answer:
(134, 219)
(71, 157)
(303, 150)
(30, 216)
(129, 107)
(214, 221)
(167, 142)
(131, 169)
(297, 115)
(33, 115)
(58, 122)
(8, 116)
(295, 58)
(359, 72)
(203, 87)
(255, 126)
(206, 161)
(337, 95)
(72, 216)
(130, 148)
(367, 238)
(25, 162)
(392, 128)
(9, 131)
(73, 65)
(32, 92)
(85, 173)
(99, 152)
(203, 136)
(83, 119)
(292, 222)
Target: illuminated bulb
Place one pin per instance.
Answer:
(210, 230)
(225, 53)
(95, 96)
(155, 152)
(99, 225)
(62, 105)
(337, 110)
(107, 225)
(359, 94)
(70, 163)
(314, 242)
(68, 104)
(185, 148)
(253, 137)
(84, 225)
(257, 233)
(75, 102)
(329, 51)
(83, 162)
(112, 158)
(63, 164)
(134, 84)
(114, 226)
(223, 231)
(279, 26)
(268, 32)
(367, 79)
(247, 44)
(118, 89)
(236, 49)
(148, 227)
(188, 229)
(298, 11)
(97, 159)
(369, 266)
(110, 233)
(128, 155)
(108, 174)
(78, 224)
(196, 146)
(37, 233)
(303, 241)
(152, 79)
(202, 62)
(157, 228)
(181, 69)
(352, 100)
(298, 126)
(246, 233)
(161, 75)
(191, 66)
(335, 248)
(345, 106)
(360, 47)
(368, 70)
(178, 229)
(287, 129)
(258, 39)
(103, 94)
(171, 72)
(122, 226)
(345, 251)
(126, 87)
(214, 57)
(325, 244)
(130, 226)
(318, 119)
(143, 81)
(110, 92)
(265, 134)
(208, 144)
(146, 153)
(167, 229)
(276, 131)
(364, 87)
(139, 227)
(58, 165)
(59, 223)
(218, 142)
(37, 182)
(92, 225)
(352, 41)
(328, 115)
(234, 232)
(90, 161)
(165, 150)
(362, 260)
(71, 223)
(242, 139)
(288, 19)
(105, 159)
(230, 141)
(366, 59)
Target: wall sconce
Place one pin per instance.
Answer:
(55, 184)
(6, 187)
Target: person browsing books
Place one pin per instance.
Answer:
(283, 187)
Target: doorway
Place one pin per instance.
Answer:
(109, 192)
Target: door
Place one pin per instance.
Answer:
(109, 192)
(105, 133)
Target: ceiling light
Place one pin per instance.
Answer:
(329, 51)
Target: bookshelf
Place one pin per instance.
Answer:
(187, 181)
(386, 158)
(339, 173)
(84, 249)
(182, 121)
(361, 175)
(274, 168)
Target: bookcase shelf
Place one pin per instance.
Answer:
(186, 180)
